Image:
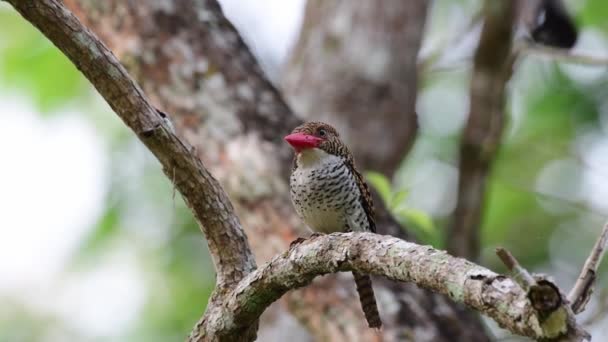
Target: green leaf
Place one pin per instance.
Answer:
(420, 219)
(398, 198)
(381, 183)
(28, 60)
(421, 224)
(102, 233)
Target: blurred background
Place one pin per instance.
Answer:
(95, 245)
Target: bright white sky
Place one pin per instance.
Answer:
(53, 177)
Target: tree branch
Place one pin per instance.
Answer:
(583, 288)
(211, 207)
(497, 296)
(561, 55)
(520, 274)
(492, 70)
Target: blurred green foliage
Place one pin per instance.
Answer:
(29, 61)
(417, 221)
(179, 276)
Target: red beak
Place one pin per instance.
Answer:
(301, 141)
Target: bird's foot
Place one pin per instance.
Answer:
(301, 239)
(296, 242)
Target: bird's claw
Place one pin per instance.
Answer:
(296, 242)
(301, 239)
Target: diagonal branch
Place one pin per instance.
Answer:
(211, 207)
(583, 288)
(481, 138)
(497, 296)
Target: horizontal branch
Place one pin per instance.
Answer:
(226, 239)
(561, 55)
(494, 295)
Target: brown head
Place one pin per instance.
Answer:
(318, 135)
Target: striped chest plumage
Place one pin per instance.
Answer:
(330, 195)
(325, 193)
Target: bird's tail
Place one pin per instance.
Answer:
(368, 300)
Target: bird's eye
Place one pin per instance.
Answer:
(322, 132)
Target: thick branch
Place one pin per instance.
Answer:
(492, 294)
(212, 208)
(481, 137)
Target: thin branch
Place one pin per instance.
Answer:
(493, 64)
(494, 295)
(520, 274)
(427, 64)
(600, 311)
(227, 241)
(561, 55)
(583, 288)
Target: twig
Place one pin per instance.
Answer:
(561, 55)
(600, 311)
(583, 288)
(428, 63)
(520, 274)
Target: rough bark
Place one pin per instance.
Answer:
(192, 64)
(492, 70)
(538, 311)
(354, 66)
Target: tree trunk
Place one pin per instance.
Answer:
(354, 66)
(191, 62)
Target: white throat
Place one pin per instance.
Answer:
(314, 157)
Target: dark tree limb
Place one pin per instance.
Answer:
(493, 63)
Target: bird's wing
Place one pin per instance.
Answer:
(366, 196)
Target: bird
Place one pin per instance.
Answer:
(553, 25)
(330, 195)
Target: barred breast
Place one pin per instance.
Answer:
(325, 194)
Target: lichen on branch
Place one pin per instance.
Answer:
(497, 296)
